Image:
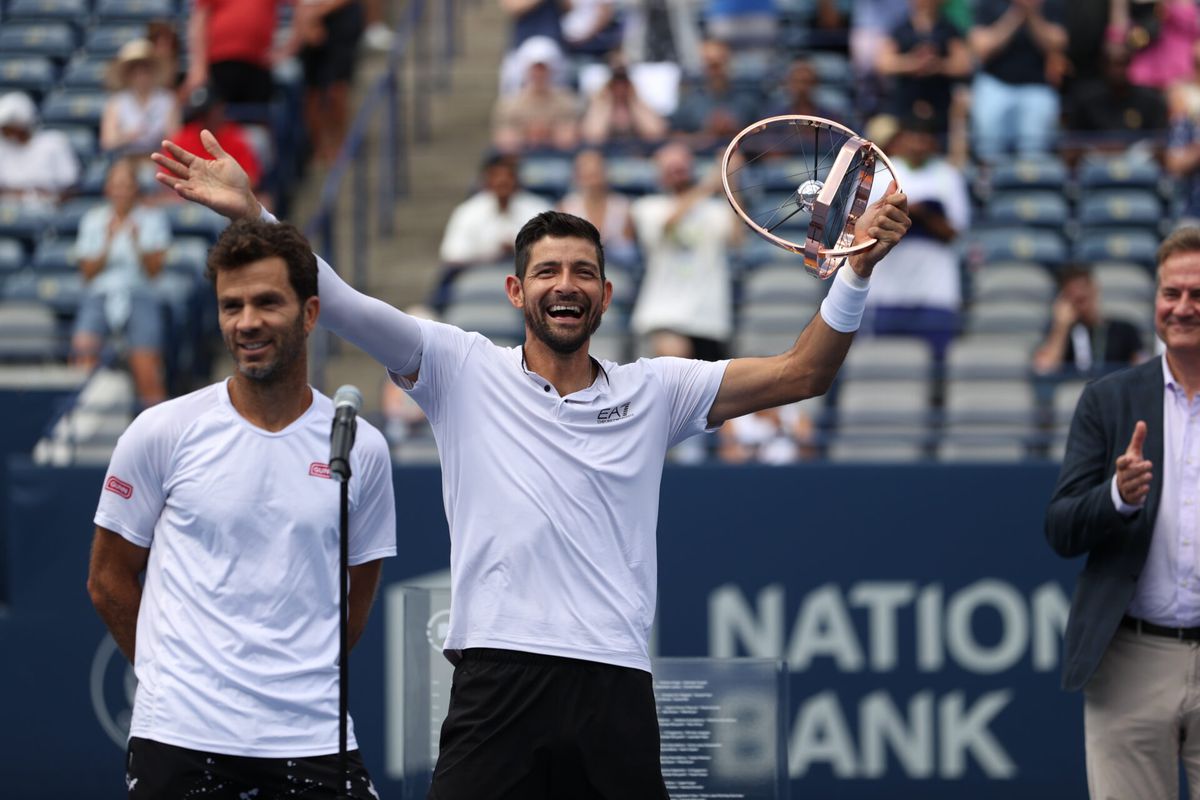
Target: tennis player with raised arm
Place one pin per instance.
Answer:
(551, 464)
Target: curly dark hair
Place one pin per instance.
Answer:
(246, 241)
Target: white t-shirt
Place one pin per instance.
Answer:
(479, 231)
(46, 163)
(686, 288)
(920, 271)
(553, 501)
(237, 635)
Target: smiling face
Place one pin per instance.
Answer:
(263, 322)
(1177, 305)
(562, 293)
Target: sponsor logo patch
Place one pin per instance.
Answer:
(319, 470)
(612, 414)
(119, 487)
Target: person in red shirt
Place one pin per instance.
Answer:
(229, 47)
(205, 110)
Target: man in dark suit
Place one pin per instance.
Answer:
(1128, 496)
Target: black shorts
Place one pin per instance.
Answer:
(157, 771)
(531, 727)
(334, 59)
(241, 82)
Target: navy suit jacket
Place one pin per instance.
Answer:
(1081, 518)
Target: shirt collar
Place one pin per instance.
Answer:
(1169, 382)
(596, 389)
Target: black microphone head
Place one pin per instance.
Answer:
(348, 396)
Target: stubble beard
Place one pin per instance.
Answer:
(289, 346)
(539, 324)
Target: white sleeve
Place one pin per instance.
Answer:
(134, 491)
(691, 387)
(373, 515)
(459, 242)
(387, 334)
(445, 351)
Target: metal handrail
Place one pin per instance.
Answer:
(412, 60)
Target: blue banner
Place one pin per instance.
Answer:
(919, 608)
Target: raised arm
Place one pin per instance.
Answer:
(387, 334)
(808, 369)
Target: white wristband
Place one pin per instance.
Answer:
(842, 309)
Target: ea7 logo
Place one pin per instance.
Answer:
(613, 414)
(118, 487)
(319, 470)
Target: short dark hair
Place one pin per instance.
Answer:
(558, 224)
(250, 240)
(1183, 240)
(1072, 271)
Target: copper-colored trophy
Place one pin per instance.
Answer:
(828, 171)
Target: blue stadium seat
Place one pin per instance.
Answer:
(21, 222)
(1108, 244)
(12, 255)
(547, 175)
(1020, 244)
(188, 219)
(137, 10)
(73, 107)
(187, 255)
(832, 68)
(75, 11)
(1121, 208)
(61, 290)
(1042, 208)
(54, 256)
(632, 174)
(28, 332)
(1029, 172)
(106, 40)
(781, 175)
(50, 39)
(32, 74)
(1117, 171)
(91, 183)
(66, 220)
(83, 140)
(86, 72)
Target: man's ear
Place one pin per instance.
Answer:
(312, 310)
(515, 291)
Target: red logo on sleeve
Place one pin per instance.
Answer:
(319, 470)
(118, 486)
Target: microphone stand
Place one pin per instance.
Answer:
(344, 636)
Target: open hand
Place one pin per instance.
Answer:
(220, 184)
(1134, 472)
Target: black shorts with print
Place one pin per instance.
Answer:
(157, 771)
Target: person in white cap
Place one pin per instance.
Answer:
(140, 112)
(541, 114)
(36, 166)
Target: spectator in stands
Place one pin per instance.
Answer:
(165, 40)
(1080, 338)
(122, 246)
(616, 116)
(482, 228)
(871, 21)
(540, 19)
(1182, 157)
(1020, 46)
(1160, 40)
(541, 115)
(662, 32)
(1112, 106)
(229, 46)
(775, 436)
(37, 167)
(140, 112)
(797, 93)
(592, 27)
(920, 293)
(205, 110)
(922, 58)
(713, 109)
(592, 199)
(685, 305)
(329, 31)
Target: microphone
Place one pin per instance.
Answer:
(346, 403)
